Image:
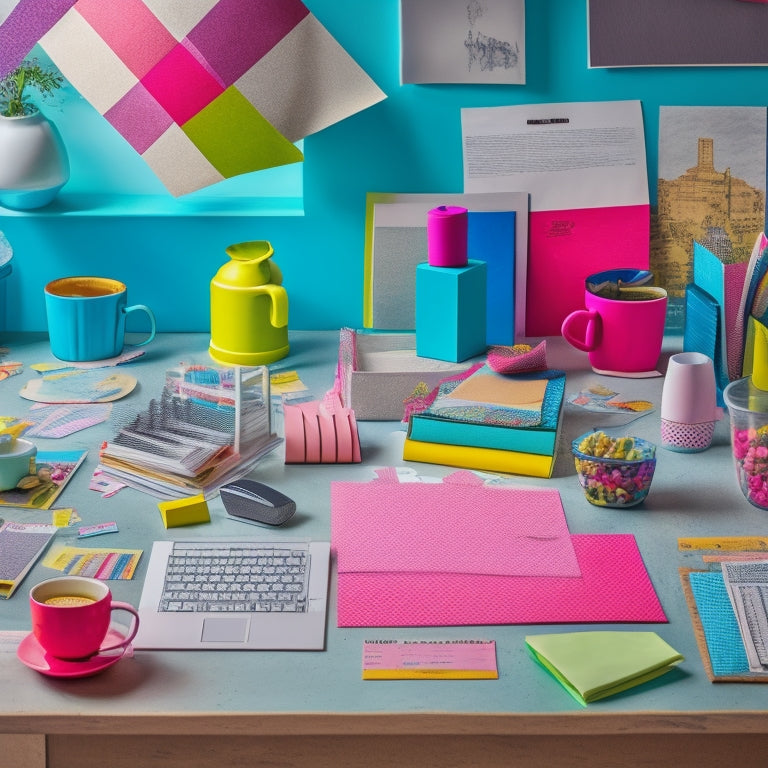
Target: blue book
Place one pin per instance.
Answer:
(482, 426)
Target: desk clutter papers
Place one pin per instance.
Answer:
(594, 665)
(128, 353)
(53, 470)
(207, 426)
(94, 562)
(459, 552)
(56, 421)
(598, 398)
(21, 545)
(79, 386)
(8, 368)
(429, 660)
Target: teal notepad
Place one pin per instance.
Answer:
(594, 665)
(719, 624)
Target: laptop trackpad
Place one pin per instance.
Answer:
(221, 630)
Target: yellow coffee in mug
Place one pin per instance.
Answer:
(86, 317)
(69, 601)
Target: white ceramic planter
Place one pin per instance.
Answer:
(33, 161)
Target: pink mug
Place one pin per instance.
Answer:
(622, 332)
(71, 617)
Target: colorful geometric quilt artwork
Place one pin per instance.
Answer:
(210, 89)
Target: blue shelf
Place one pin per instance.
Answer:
(95, 204)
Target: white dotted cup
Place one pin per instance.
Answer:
(689, 409)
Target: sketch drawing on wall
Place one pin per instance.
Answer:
(462, 41)
(711, 189)
(484, 50)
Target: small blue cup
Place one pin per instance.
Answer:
(86, 318)
(17, 459)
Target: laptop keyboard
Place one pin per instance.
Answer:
(235, 577)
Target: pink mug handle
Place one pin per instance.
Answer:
(118, 606)
(592, 326)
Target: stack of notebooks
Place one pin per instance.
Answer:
(491, 421)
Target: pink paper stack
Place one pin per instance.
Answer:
(463, 553)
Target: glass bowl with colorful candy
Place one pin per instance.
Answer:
(614, 471)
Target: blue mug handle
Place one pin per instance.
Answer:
(153, 325)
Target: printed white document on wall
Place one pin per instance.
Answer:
(584, 166)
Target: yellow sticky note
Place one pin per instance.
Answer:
(63, 518)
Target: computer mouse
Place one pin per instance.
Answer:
(251, 501)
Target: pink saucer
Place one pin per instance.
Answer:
(32, 655)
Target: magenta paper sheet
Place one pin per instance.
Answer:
(567, 246)
(202, 90)
(451, 527)
(614, 586)
(23, 24)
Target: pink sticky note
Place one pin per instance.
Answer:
(429, 660)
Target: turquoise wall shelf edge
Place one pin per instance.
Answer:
(410, 142)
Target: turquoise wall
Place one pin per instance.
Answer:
(410, 142)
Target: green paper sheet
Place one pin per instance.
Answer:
(594, 665)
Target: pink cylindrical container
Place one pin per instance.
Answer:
(447, 236)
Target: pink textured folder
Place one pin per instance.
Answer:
(450, 527)
(614, 587)
(400, 565)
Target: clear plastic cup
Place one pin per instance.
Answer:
(748, 412)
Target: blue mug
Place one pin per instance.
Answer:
(86, 318)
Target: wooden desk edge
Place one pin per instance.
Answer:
(396, 723)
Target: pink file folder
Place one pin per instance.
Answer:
(402, 559)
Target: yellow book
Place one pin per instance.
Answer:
(488, 459)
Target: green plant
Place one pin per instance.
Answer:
(14, 87)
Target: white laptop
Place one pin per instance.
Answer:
(235, 594)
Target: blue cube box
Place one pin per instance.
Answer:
(451, 311)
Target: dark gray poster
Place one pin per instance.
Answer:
(654, 33)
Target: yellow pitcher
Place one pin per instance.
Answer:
(249, 307)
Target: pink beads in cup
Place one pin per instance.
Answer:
(748, 411)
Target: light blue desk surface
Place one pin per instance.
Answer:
(692, 495)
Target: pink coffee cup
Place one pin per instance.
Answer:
(622, 334)
(71, 617)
